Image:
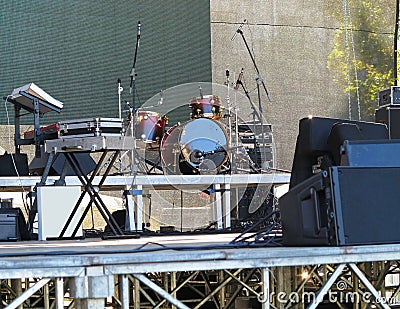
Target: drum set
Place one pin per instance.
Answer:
(178, 133)
(198, 146)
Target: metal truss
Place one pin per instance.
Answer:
(229, 278)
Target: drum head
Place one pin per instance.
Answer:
(199, 146)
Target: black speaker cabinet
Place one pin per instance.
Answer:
(7, 167)
(366, 204)
(390, 115)
(348, 206)
(304, 213)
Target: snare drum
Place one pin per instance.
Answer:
(149, 126)
(208, 106)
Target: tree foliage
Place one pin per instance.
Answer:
(362, 56)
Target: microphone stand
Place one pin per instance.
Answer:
(120, 89)
(133, 73)
(133, 92)
(259, 81)
(259, 78)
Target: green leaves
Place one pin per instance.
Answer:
(365, 46)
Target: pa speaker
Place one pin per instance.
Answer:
(304, 214)
(312, 141)
(366, 205)
(347, 206)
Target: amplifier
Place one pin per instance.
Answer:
(389, 96)
(389, 115)
(9, 227)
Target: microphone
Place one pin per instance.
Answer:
(139, 25)
(238, 30)
(239, 80)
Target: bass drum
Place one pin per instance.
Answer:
(196, 147)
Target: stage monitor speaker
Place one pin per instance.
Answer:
(312, 142)
(381, 153)
(303, 209)
(390, 116)
(351, 206)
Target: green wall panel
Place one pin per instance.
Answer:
(76, 50)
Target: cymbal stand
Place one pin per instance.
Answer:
(255, 115)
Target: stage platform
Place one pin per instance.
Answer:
(158, 182)
(147, 270)
(93, 264)
(170, 253)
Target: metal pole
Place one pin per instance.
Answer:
(124, 281)
(59, 293)
(28, 293)
(326, 287)
(265, 288)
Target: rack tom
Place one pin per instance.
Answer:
(150, 126)
(208, 106)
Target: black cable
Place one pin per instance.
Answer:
(307, 27)
(254, 226)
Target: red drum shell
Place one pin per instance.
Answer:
(149, 126)
(208, 106)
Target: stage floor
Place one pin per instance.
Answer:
(67, 258)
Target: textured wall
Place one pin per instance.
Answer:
(291, 41)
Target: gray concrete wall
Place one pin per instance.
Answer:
(291, 42)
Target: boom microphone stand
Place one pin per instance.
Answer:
(259, 78)
(259, 81)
